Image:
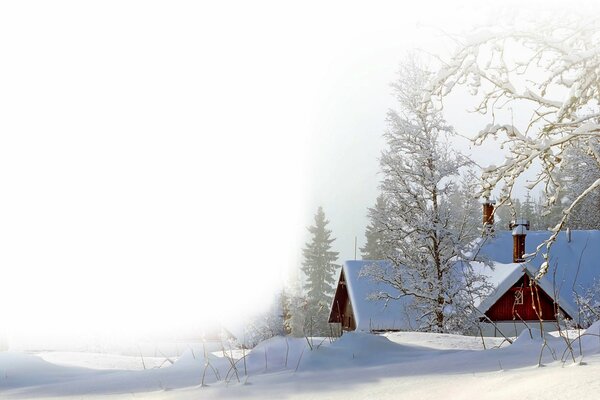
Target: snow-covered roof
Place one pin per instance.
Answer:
(573, 266)
(374, 314)
(519, 230)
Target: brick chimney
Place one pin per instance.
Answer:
(488, 216)
(519, 227)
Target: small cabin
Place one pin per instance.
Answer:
(358, 303)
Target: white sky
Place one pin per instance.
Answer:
(159, 161)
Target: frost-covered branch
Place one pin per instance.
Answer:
(550, 67)
(425, 217)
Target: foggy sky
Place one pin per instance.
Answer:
(160, 161)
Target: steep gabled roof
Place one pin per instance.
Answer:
(375, 314)
(502, 277)
(574, 266)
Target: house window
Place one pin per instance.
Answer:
(519, 297)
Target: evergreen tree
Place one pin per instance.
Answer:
(551, 212)
(517, 209)
(377, 245)
(527, 210)
(580, 171)
(465, 209)
(541, 216)
(506, 212)
(502, 217)
(319, 268)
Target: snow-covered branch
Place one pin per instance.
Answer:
(551, 67)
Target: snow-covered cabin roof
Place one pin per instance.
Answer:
(573, 266)
(374, 314)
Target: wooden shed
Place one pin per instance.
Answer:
(357, 306)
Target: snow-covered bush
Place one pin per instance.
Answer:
(267, 324)
(589, 305)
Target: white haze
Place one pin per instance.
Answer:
(159, 161)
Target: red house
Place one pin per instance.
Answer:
(516, 301)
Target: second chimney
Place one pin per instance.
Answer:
(488, 216)
(519, 228)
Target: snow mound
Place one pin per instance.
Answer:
(365, 343)
(358, 349)
(353, 349)
(445, 341)
(528, 336)
(535, 336)
(278, 353)
(19, 369)
(590, 339)
(191, 360)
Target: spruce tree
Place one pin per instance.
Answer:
(579, 171)
(319, 268)
(377, 246)
(528, 212)
(502, 216)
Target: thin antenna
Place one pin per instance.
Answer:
(354, 248)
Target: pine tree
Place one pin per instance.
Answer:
(502, 217)
(465, 209)
(506, 212)
(580, 171)
(527, 210)
(377, 246)
(541, 216)
(551, 211)
(319, 268)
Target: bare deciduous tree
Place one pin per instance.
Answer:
(425, 236)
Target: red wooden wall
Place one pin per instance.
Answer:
(341, 311)
(536, 304)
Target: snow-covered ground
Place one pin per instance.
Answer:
(357, 366)
(102, 360)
